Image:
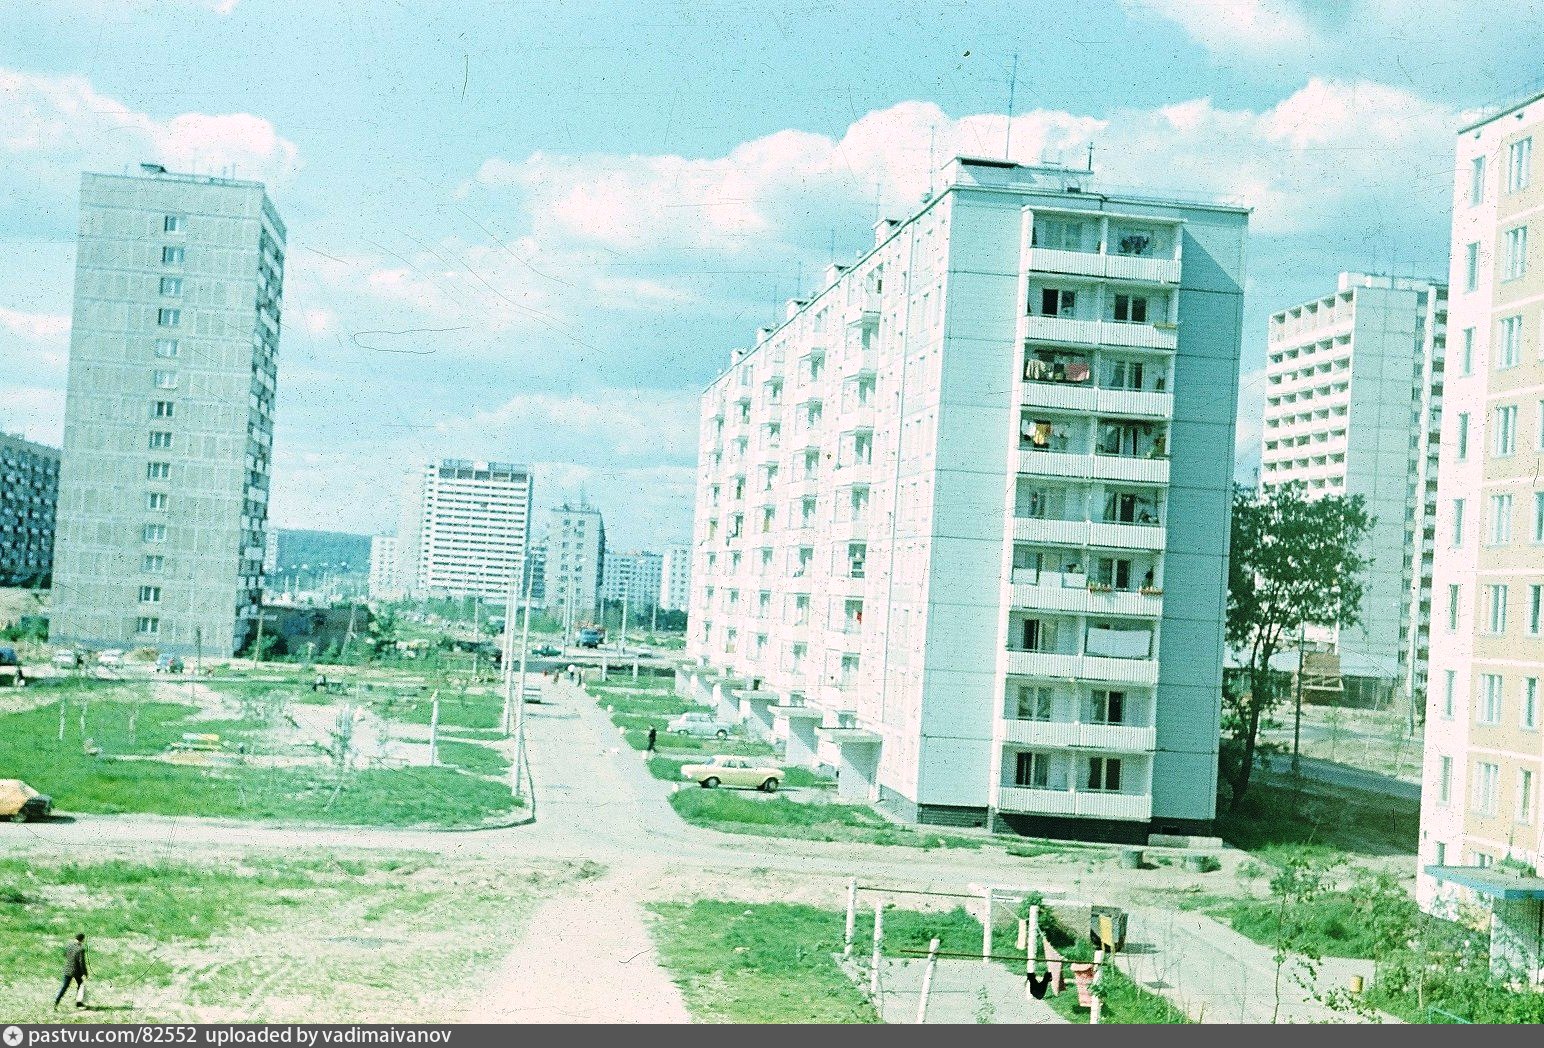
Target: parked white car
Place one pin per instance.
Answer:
(703, 725)
(66, 659)
(726, 769)
(111, 658)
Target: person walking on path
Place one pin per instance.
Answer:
(74, 971)
(653, 736)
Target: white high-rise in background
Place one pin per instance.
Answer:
(675, 578)
(633, 577)
(1353, 406)
(1482, 828)
(385, 572)
(168, 427)
(574, 563)
(465, 529)
(962, 517)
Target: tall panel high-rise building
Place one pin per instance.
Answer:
(575, 562)
(962, 517)
(632, 577)
(466, 529)
(168, 429)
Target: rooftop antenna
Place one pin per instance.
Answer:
(1090, 156)
(1013, 83)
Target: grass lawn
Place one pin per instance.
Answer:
(1274, 820)
(473, 756)
(739, 812)
(306, 939)
(769, 963)
(116, 782)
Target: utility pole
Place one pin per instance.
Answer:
(1297, 712)
(257, 649)
(525, 644)
(622, 637)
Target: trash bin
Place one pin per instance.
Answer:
(1131, 859)
(1107, 928)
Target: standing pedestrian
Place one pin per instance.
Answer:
(74, 971)
(653, 735)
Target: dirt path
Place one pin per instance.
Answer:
(587, 958)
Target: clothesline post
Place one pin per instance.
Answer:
(852, 916)
(879, 937)
(927, 981)
(1096, 1002)
(986, 926)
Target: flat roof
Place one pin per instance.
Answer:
(1506, 110)
(1493, 881)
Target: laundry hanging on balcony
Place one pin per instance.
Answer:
(1119, 644)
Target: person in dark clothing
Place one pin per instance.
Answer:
(74, 971)
(653, 735)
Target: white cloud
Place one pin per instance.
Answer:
(1267, 28)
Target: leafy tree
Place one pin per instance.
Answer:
(1294, 561)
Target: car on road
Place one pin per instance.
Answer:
(168, 664)
(20, 802)
(546, 651)
(112, 658)
(68, 659)
(701, 724)
(726, 769)
(10, 667)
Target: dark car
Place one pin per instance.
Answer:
(10, 667)
(168, 664)
(21, 803)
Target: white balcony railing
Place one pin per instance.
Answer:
(1083, 667)
(1134, 807)
(1087, 399)
(1094, 467)
(1061, 532)
(1115, 738)
(1126, 536)
(1066, 330)
(1120, 267)
(1052, 596)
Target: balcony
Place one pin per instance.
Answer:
(1134, 807)
(1051, 595)
(1083, 667)
(1060, 532)
(1126, 536)
(1069, 330)
(1086, 399)
(1114, 738)
(1139, 268)
(1094, 467)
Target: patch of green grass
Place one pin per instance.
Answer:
(769, 963)
(473, 757)
(737, 812)
(1274, 822)
(482, 712)
(226, 787)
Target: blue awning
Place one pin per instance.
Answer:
(1491, 881)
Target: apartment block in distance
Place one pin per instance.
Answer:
(1353, 406)
(465, 529)
(385, 581)
(575, 562)
(1480, 812)
(632, 577)
(168, 427)
(962, 516)
(675, 578)
(29, 490)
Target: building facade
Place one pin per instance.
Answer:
(1353, 406)
(632, 577)
(465, 529)
(1480, 809)
(168, 429)
(575, 563)
(29, 492)
(675, 578)
(962, 517)
(385, 575)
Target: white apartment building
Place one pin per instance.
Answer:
(465, 528)
(1481, 826)
(385, 581)
(1353, 406)
(675, 578)
(168, 419)
(633, 578)
(962, 516)
(574, 565)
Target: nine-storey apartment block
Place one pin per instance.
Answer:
(168, 428)
(962, 517)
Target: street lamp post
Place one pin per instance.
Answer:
(514, 690)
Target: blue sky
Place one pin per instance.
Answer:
(579, 209)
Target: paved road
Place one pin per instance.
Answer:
(1332, 774)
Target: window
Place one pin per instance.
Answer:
(1453, 603)
(1504, 440)
(1500, 520)
(1477, 180)
(1511, 350)
(154, 533)
(1487, 777)
(156, 500)
(1535, 598)
(1131, 309)
(1104, 774)
(1530, 712)
(166, 347)
(1495, 600)
(165, 380)
(1519, 160)
(1468, 355)
(1458, 522)
(1524, 810)
(175, 224)
(1471, 266)
(158, 470)
(1444, 780)
(171, 286)
(1538, 516)
(1032, 770)
(1490, 698)
(153, 562)
(1059, 234)
(1515, 256)
(160, 441)
(1057, 302)
(150, 594)
(147, 624)
(163, 409)
(1441, 853)
(171, 256)
(1107, 707)
(1463, 435)
(1449, 692)
(168, 317)
(1035, 702)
